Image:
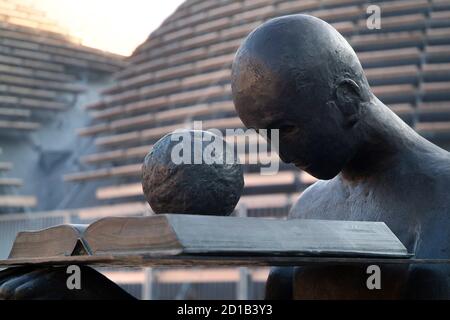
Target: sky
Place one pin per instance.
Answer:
(117, 26)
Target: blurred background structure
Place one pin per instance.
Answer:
(45, 76)
(76, 122)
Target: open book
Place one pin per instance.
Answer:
(176, 234)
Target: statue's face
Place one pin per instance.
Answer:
(299, 75)
(319, 144)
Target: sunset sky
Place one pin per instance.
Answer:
(118, 26)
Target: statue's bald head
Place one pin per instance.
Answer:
(298, 74)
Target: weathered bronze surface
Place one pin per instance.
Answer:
(189, 188)
(298, 74)
(49, 283)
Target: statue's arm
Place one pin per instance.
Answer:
(279, 284)
(50, 283)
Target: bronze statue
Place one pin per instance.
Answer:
(298, 74)
(49, 283)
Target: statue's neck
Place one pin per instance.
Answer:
(384, 142)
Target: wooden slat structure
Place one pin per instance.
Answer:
(175, 275)
(6, 184)
(5, 166)
(181, 74)
(10, 182)
(13, 201)
(40, 66)
(43, 70)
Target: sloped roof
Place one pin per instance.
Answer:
(42, 70)
(182, 73)
(39, 63)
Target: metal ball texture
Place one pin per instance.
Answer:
(211, 187)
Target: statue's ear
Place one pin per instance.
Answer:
(348, 99)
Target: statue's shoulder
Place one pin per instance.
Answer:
(315, 200)
(426, 177)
